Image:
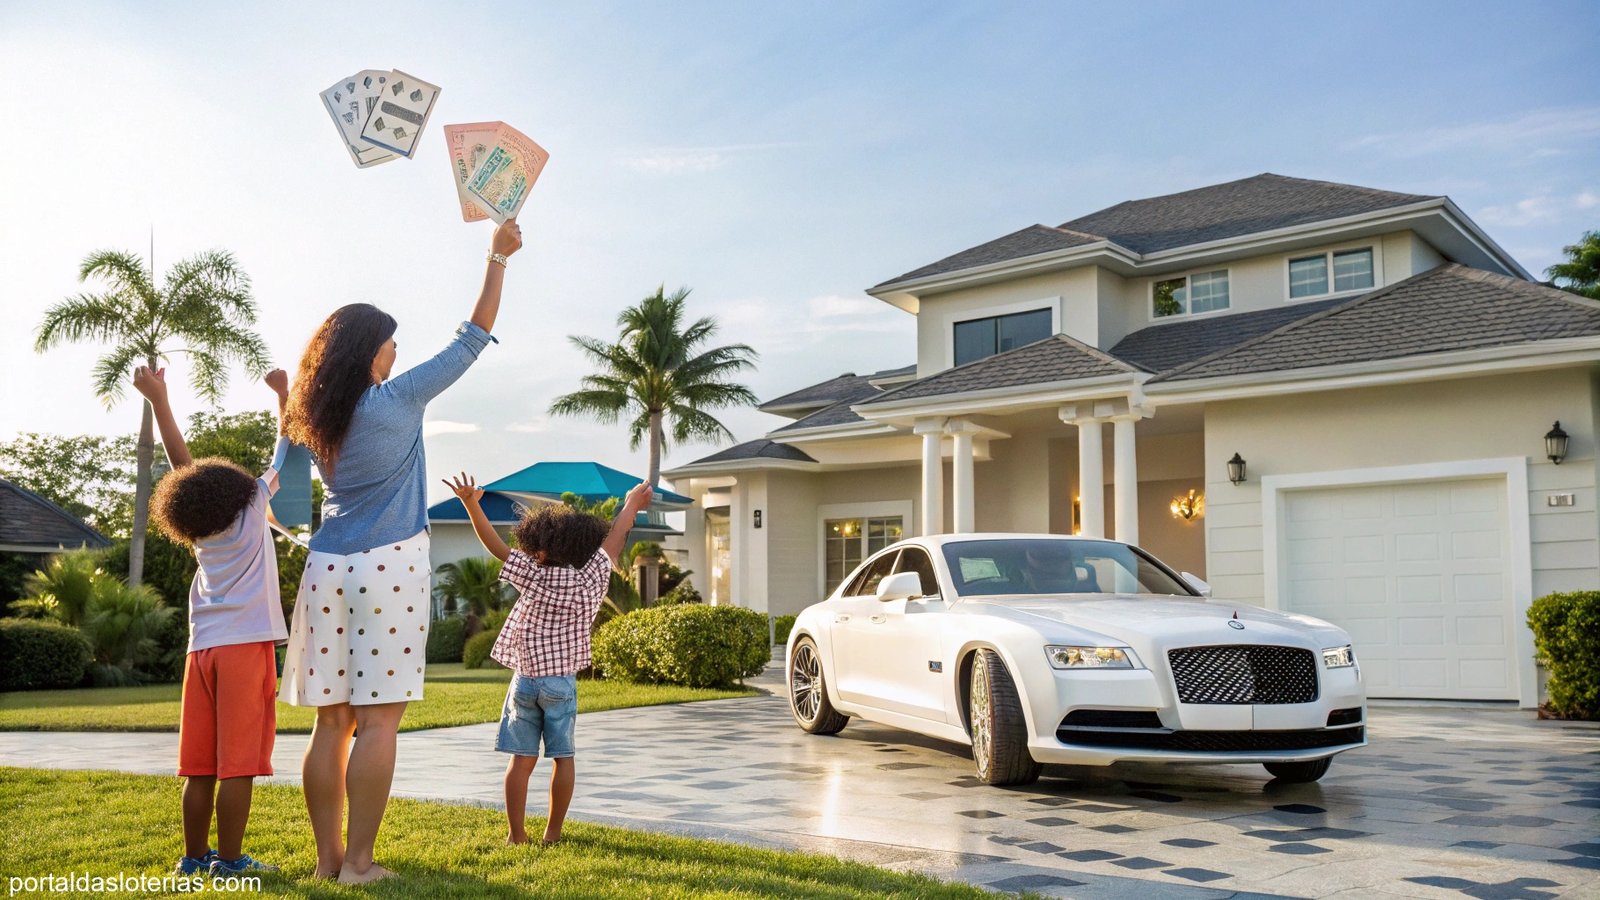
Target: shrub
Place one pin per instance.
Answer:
(40, 654)
(683, 593)
(1566, 634)
(447, 640)
(687, 644)
(65, 584)
(475, 653)
(781, 627)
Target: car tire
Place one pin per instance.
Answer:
(808, 693)
(998, 730)
(1299, 772)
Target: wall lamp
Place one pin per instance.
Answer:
(1186, 508)
(1555, 444)
(1236, 469)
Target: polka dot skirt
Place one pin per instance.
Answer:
(360, 627)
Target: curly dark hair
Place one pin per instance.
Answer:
(201, 499)
(334, 372)
(558, 535)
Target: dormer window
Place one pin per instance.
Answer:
(978, 338)
(1201, 292)
(1351, 271)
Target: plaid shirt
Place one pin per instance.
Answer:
(547, 632)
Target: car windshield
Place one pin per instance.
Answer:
(1045, 566)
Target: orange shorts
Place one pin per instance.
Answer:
(229, 712)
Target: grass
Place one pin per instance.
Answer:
(439, 850)
(454, 695)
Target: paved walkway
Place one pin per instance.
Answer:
(1484, 803)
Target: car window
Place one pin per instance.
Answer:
(915, 559)
(867, 581)
(1056, 566)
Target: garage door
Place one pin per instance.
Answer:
(1418, 573)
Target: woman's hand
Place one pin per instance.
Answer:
(152, 383)
(278, 380)
(464, 487)
(507, 238)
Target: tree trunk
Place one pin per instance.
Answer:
(655, 448)
(141, 494)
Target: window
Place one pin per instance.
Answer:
(848, 541)
(1056, 566)
(1201, 292)
(980, 338)
(867, 582)
(914, 559)
(1352, 271)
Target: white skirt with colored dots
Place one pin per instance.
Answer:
(360, 632)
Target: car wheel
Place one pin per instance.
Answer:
(1299, 772)
(999, 732)
(808, 696)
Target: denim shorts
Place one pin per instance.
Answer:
(542, 709)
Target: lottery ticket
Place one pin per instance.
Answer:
(468, 145)
(500, 182)
(404, 104)
(350, 102)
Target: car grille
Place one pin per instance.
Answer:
(1244, 674)
(1213, 741)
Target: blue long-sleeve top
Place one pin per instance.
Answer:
(377, 492)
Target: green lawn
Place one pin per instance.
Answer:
(455, 695)
(439, 850)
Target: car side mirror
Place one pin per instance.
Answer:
(1198, 583)
(900, 586)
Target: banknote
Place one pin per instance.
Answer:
(404, 104)
(501, 180)
(468, 145)
(350, 102)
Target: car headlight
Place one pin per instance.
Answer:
(1339, 657)
(1089, 657)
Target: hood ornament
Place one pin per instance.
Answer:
(1234, 622)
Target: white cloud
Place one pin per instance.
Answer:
(1538, 133)
(535, 425)
(1531, 210)
(445, 426)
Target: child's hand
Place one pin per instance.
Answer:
(465, 488)
(639, 497)
(278, 380)
(152, 383)
(507, 238)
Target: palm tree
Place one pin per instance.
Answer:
(1581, 271)
(65, 586)
(473, 582)
(204, 310)
(658, 373)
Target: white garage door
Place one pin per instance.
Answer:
(1418, 573)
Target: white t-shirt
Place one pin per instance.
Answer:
(234, 597)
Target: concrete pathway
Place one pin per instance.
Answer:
(1447, 802)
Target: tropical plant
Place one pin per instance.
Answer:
(1581, 271)
(473, 583)
(660, 375)
(124, 622)
(65, 586)
(203, 310)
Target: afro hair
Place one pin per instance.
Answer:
(558, 535)
(202, 499)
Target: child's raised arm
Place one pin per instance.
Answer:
(638, 498)
(152, 383)
(278, 380)
(467, 490)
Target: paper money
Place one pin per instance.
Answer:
(500, 182)
(350, 102)
(467, 146)
(398, 120)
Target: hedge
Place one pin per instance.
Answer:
(781, 628)
(447, 640)
(686, 644)
(1566, 634)
(39, 654)
(475, 654)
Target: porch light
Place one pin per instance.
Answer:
(1236, 469)
(1555, 444)
(1187, 508)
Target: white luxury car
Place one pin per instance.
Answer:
(1041, 649)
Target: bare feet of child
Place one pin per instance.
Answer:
(515, 839)
(375, 872)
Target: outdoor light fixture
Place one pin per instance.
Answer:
(1236, 469)
(1555, 444)
(758, 518)
(1186, 508)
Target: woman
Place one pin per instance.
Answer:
(361, 619)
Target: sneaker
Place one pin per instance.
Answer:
(189, 865)
(223, 868)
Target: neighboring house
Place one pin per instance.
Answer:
(31, 524)
(1387, 374)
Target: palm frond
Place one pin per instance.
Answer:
(605, 406)
(689, 424)
(98, 317)
(113, 371)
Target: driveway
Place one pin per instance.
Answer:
(1446, 802)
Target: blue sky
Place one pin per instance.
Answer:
(778, 158)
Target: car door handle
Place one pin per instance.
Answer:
(841, 618)
(879, 620)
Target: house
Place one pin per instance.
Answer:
(31, 524)
(1321, 398)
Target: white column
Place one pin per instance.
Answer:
(1125, 478)
(1091, 477)
(961, 476)
(932, 431)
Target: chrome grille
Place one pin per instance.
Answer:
(1244, 674)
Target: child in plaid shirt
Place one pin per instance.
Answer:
(561, 569)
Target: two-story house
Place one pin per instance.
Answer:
(1321, 398)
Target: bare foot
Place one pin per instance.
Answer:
(516, 839)
(329, 873)
(375, 872)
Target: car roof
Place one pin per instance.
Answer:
(939, 540)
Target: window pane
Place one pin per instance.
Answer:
(1308, 277)
(1169, 297)
(915, 560)
(1208, 291)
(868, 582)
(1023, 329)
(842, 549)
(1352, 270)
(974, 340)
(882, 532)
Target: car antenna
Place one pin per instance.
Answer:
(1236, 614)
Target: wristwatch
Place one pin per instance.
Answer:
(497, 258)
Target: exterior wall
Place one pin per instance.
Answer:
(793, 540)
(451, 541)
(1070, 295)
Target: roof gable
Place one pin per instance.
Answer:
(29, 520)
(1180, 341)
(1056, 358)
(589, 480)
(756, 449)
(1030, 241)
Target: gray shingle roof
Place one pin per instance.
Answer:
(27, 519)
(1260, 203)
(1168, 345)
(1056, 358)
(757, 449)
(1451, 307)
(848, 386)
